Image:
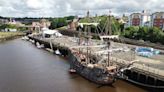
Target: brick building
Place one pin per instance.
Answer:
(135, 19)
(157, 19)
(43, 23)
(140, 19)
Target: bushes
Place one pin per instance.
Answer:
(12, 26)
(153, 34)
(58, 22)
(131, 32)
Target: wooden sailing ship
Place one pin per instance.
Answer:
(89, 65)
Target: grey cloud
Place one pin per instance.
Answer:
(55, 8)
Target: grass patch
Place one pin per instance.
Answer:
(6, 35)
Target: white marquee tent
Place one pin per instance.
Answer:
(51, 33)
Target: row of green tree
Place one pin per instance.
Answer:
(60, 22)
(151, 34)
(3, 26)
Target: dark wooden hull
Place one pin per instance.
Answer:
(95, 74)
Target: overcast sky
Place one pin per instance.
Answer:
(59, 8)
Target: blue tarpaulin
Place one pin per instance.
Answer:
(146, 52)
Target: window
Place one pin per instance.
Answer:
(161, 26)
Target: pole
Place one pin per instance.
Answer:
(51, 44)
(110, 24)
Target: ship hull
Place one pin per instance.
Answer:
(95, 74)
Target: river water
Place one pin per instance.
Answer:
(24, 68)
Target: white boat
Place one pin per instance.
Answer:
(57, 52)
(50, 50)
(25, 38)
(39, 46)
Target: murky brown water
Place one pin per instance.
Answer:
(24, 68)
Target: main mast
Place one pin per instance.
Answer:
(108, 31)
(88, 36)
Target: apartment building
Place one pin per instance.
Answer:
(157, 20)
(140, 19)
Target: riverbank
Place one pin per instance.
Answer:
(10, 35)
